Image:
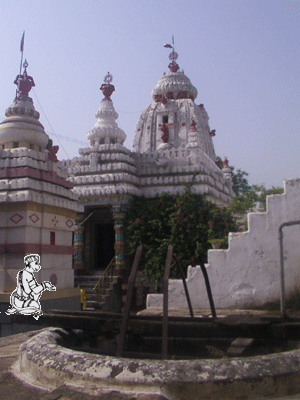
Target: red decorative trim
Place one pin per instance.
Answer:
(55, 221)
(36, 248)
(29, 172)
(52, 153)
(182, 95)
(159, 98)
(34, 218)
(193, 126)
(49, 249)
(16, 218)
(69, 223)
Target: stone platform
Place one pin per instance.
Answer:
(42, 369)
(13, 388)
(54, 372)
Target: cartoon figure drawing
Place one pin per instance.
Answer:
(25, 299)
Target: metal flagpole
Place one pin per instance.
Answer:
(22, 50)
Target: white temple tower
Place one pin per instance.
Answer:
(105, 179)
(37, 206)
(173, 142)
(172, 112)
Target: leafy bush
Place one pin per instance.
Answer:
(185, 221)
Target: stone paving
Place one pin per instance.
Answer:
(12, 388)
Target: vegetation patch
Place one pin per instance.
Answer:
(187, 222)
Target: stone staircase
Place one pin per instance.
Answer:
(111, 296)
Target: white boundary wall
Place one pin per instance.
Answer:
(248, 273)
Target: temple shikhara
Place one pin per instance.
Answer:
(72, 212)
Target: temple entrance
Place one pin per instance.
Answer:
(104, 241)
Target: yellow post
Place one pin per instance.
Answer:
(83, 299)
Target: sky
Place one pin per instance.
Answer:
(241, 55)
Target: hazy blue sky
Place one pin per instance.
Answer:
(242, 56)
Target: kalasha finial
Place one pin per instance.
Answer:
(173, 55)
(106, 88)
(108, 78)
(173, 66)
(24, 82)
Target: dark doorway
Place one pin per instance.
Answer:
(104, 241)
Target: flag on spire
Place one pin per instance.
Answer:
(22, 43)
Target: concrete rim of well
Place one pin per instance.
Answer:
(42, 362)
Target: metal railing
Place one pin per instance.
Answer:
(105, 280)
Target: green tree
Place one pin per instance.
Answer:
(240, 181)
(244, 202)
(247, 195)
(186, 221)
(263, 192)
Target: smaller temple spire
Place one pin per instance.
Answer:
(173, 66)
(106, 130)
(227, 170)
(193, 137)
(106, 88)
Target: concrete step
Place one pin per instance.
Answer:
(89, 291)
(91, 305)
(87, 278)
(88, 283)
(91, 296)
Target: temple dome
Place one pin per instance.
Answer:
(174, 85)
(165, 124)
(21, 127)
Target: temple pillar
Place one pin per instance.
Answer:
(119, 213)
(79, 245)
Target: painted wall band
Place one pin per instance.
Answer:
(36, 248)
(29, 205)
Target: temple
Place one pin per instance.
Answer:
(72, 212)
